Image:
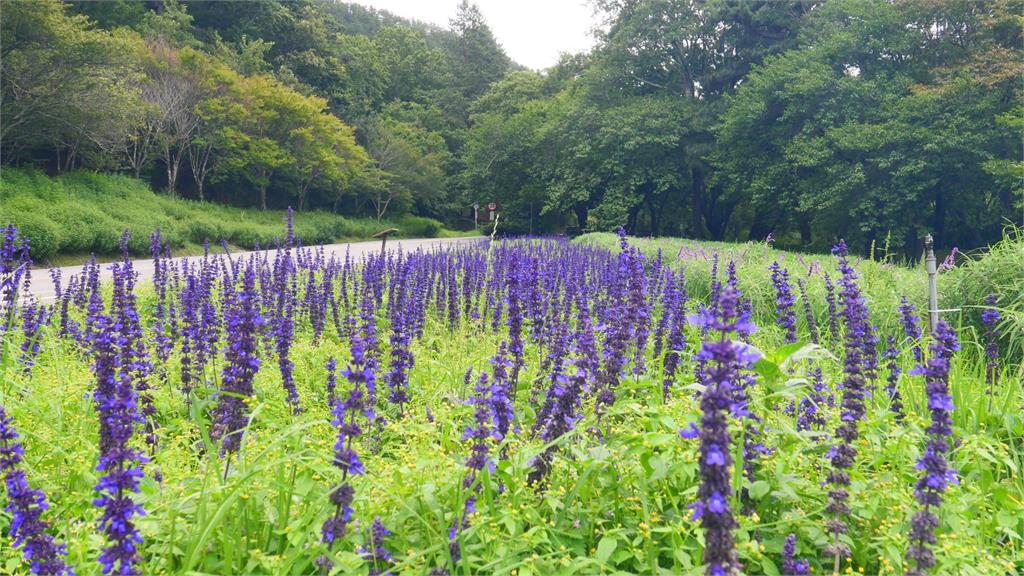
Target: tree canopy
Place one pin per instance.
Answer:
(722, 119)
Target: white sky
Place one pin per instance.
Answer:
(532, 32)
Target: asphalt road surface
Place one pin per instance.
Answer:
(42, 286)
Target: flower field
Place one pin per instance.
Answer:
(531, 407)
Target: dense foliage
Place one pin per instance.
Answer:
(809, 120)
(516, 407)
(268, 104)
(719, 119)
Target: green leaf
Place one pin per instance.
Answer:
(758, 489)
(767, 369)
(606, 547)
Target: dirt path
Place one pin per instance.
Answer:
(42, 285)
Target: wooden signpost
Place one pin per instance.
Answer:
(383, 235)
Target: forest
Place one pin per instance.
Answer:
(805, 120)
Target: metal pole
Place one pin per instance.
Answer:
(933, 293)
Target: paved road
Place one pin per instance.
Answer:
(42, 285)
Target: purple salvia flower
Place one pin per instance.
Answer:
(811, 409)
(716, 286)
(586, 342)
(812, 325)
(452, 293)
(479, 458)
(666, 303)
(937, 474)
(516, 292)
(361, 375)
(911, 326)
(892, 382)
(332, 380)
(844, 452)
(15, 266)
(346, 415)
(480, 432)
(32, 318)
(791, 566)
(784, 301)
(746, 305)
(990, 319)
(284, 336)
(639, 315)
(67, 326)
(190, 334)
(870, 358)
(243, 322)
(368, 336)
(559, 416)
(502, 407)
(26, 506)
(375, 553)
(161, 335)
(116, 401)
(402, 359)
(833, 310)
(675, 309)
(725, 359)
(94, 309)
(553, 365)
(136, 358)
(617, 331)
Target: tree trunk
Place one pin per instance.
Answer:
(652, 214)
(631, 219)
(263, 197)
(173, 161)
(69, 160)
(581, 215)
(199, 160)
(760, 227)
(696, 203)
(804, 223)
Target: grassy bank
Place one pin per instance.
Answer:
(73, 215)
(962, 289)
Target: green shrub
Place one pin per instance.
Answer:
(419, 227)
(43, 234)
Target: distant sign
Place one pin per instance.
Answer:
(492, 206)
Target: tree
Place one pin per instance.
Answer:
(172, 88)
(221, 109)
(324, 150)
(477, 59)
(64, 86)
(411, 160)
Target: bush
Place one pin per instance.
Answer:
(419, 227)
(43, 234)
